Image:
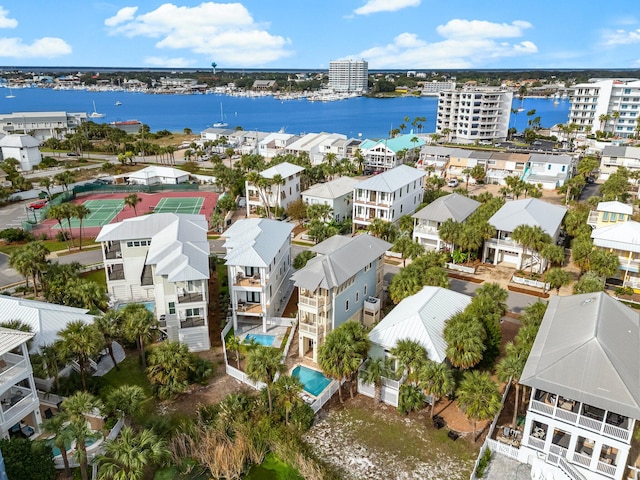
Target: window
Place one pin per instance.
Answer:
(172, 308)
(364, 290)
(346, 306)
(620, 217)
(357, 297)
(605, 216)
(193, 312)
(253, 297)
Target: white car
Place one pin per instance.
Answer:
(453, 183)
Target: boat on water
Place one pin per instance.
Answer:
(95, 113)
(221, 123)
(129, 126)
(11, 95)
(118, 103)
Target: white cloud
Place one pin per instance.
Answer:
(5, 21)
(467, 44)
(622, 37)
(377, 6)
(226, 33)
(125, 14)
(178, 62)
(458, 28)
(46, 47)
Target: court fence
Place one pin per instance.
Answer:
(95, 188)
(37, 216)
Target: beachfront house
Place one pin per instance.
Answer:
(623, 239)
(585, 392)
(343, 282)
(258, 260)
(530, 211)
(283, 188)
(162, 260)
(19, 404)
(427, 221)
(388, 196)
(421, 318)
(337, 194)
(609, 213)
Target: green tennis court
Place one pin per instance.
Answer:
(102, 213)
(179, 205)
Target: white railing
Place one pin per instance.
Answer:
(566, 415)
(606, 468)
(536, 443)
(461, 268)
(311, 329)
(570, 470)
(581, 459)
(590, 423)
(426, 229)
(541, 407)
(503, 449)
(325, 396)
(13, 371)
(617, 432)
(116, 429)
(530, 282)
(292, 333)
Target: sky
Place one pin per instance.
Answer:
(308, 34)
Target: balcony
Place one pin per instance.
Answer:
(501, 242)
(249, 308)
(313, 301)
(314, 330)
(190, 297)
(241, 280)
(426, 229)
(113, 252)
(115, 272)
(192, 322)
(14, 366)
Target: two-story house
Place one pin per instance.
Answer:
(427, 221)
(162, 260)
(258, 259)
(386, 154)
(19, 404)
(504, 164)
(337, 193)
(317, 145)
(530, 211)
(585, 392)
(614, 157)
(388, 196)
(283, 188)
(551, 171)
(623, 239)
(275, 144)
(609, 213)
(343, 282)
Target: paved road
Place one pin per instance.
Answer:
(85, 257)
(8, 276)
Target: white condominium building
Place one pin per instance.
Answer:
(608, 105)
(349, 76)
(474, 114)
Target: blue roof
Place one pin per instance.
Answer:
(395, 144)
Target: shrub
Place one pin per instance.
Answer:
(203, 370)
(410, 399)
(302, 258)
(483, 463)
(62, 236)
(11, 235)
(48, 162)
(301, 417)
(624, 291)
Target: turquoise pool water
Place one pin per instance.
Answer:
(90, 440)
(261, 339)
(148, 305)
(313, 381)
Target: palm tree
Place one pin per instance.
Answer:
(80, 341)
(126, 401)
(76, 407)
(169, 367)
(375, 369)
(465, 337)
(138, 324)
(410, 355)
(80, 212)
(478, 396)
(557, 278)
(288, 389)
(233, 344)
(109, 326)
(49, 362)
(129, 455)
(56, 211)
(67, 210)
(436, 379)
(510, 369)
(449, 232)
(408, 248)
(405, 283)
(30, 261)
(63, 436)
(263, 364)
(132, 200)
(46, 183)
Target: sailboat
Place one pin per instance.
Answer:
(118, 103)
(11, 95)
(521, 108)
(221, 123)
(95, 113)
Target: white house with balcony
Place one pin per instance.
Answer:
(614, 157)
(609, 213)
(258, 259)
(427, 221)
(550, 171)
(23, 148)
(533, 212)
(336, 193)
(162, 260)
(19, 404)
(623, 239)
(275, 195)
(275, 144)
(342, 283)
(387, 196)
(585, 392)
(386, 154)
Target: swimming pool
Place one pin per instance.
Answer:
(313, 381)
(56, 450)
(151, 305)
(89, 440)
(261, 339)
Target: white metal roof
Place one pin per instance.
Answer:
(45, 319)
(10, 339)
(615, 207)
(18, 141)
(529, 211)
(255, 241)
(156, 171)
(623, 236)
(333, 268)
(392, 180)
(421, 318)
(588, 349)
(284, 169)
(453, 206)
(336, 188)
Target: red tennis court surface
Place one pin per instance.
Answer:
(144, 207)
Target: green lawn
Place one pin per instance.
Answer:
(99, 276)
(272, 468)
(130, 373)
(52, 245)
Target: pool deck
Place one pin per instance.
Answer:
(277, 331)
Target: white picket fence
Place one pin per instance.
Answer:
(530, 283)
(325, 396)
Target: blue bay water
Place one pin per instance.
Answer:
(370, 117)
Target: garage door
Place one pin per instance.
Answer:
(510, 257)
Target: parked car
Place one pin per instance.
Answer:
(72, 154)
(453, 183)
(38, 205)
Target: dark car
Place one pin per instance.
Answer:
(72, 154)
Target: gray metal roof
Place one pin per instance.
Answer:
(421, 318)
(10, 339)
(614, 151)
(254, 242)
(284, 169)
(549, 158)
(333, 268)
(392, 180)
(588, 349)
(616, 207)
(454, 206)
(529, 211)
(336, 188)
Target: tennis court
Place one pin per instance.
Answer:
(191, 205)
(102, 213)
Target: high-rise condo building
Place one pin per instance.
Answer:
(349, 76)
